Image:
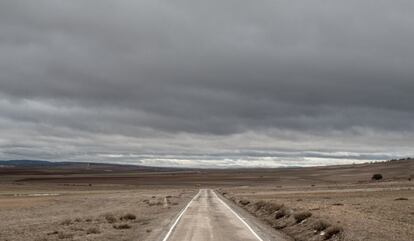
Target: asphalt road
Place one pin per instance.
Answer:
(206, 218)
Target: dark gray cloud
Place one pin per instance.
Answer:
(206, 83)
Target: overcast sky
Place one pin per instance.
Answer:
(207, 83)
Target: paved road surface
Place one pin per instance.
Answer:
(209, 218)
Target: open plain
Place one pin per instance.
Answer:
(83, 203)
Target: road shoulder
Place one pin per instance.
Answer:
(266, 232)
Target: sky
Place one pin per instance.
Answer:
(218, 83)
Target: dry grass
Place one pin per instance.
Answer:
(244, 202)
(122, 226)
(299, 217)
(401, 199)
(282, 212)
(331, 231)
(66, 222)
(110, 218)
(88, 215)
(259, 205)
(62, 235)
(320, 225)
(273, 207)
(93, 230)
(128, 216)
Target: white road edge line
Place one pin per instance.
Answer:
(240, 218)
(179, 216)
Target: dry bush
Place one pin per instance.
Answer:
(128, 216)
(244, 202)
(259, 205)
(299, 217)
(41, 239)
(66, 222)
(376, 176)
(122, 226)
(62, 235)
(273, 207)
(320, 225)
(282, 212)
(401, 199)
(144, 221)
(93, 231)
(110, 218)
(155, 203)
(331, 231)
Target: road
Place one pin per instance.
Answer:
(206, 218)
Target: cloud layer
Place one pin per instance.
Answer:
(215, 83)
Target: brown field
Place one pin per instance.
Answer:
(88, 204)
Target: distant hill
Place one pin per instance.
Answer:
(42, 167)
(29, 163)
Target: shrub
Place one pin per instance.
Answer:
(244, 202)
(260, 204)
(376, 177)
(110, 218)
(331, 231)
(273, 207)
(320, 225)
(92, 231)
(128, 216)
(281, 213)
(401, 199)
(41, 239)
(299, 217)
(65, 235)
(122, 226)
(66, 222)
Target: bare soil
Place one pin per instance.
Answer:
(343, 197)
(66, 214)
(88, 203)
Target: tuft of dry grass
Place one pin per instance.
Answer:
(122, 226)
(110, 218)
(273, 207)
(259, 205)
(331, 231)
(128, 216)
(281, 213)
(93, 230)
(62, 235)
(41, 239)
(66, 222)
(244, 202)
(320, 225)
(299, 217)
